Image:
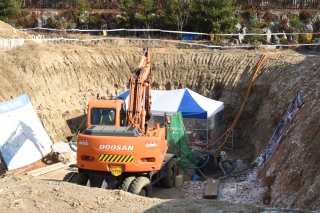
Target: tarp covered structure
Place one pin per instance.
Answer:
(23, 140)
(189, 103)
(202, 117)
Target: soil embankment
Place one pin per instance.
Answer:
(60, 79)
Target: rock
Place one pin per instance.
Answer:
(307, 27)
(268, 34)
(284, 16)
(38, 23)
(275, 27)
(276, 39)
(238, 27)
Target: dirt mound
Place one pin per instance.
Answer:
(7, 31)
(20, 193)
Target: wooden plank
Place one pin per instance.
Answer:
(47, 169)
(43, 168)
(211, 190)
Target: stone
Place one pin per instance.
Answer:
(238, 27)
(268, 35)
(275, 27)
(244, 30)
(307, 27)
(284, 16)
(276, 39)
(241, 37)
(37, 23)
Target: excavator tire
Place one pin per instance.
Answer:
(80, 179)
(69, 176)
(168, 180)
(127, 183)
(141, 186)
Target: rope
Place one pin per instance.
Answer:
(229, 130)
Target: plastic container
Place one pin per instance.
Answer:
(178, 181)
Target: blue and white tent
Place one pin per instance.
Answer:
(189, 103)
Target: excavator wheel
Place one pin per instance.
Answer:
(168, 180)
(141, 186)
(80, 179)
(69, 176)
(127, 183)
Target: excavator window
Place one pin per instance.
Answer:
(123, 114)
(102, 116)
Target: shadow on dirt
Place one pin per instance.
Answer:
(77, 124)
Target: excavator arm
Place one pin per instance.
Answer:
(139, 110)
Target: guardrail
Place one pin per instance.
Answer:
(198, 39)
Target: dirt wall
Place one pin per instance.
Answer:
(60, 79)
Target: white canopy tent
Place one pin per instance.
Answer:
(193, 107)
(189, 103)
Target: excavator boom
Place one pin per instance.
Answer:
(140, 93)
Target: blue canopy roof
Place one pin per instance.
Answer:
(189, 103)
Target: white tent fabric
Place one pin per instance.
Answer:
(189, 103)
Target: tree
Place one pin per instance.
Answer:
(214, 16)
(146, 13)
(84, 16)
(295, 22)
(177, 13)
(83, 5)
(127, 9)
(8, 9)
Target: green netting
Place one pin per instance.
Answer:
(178, 143)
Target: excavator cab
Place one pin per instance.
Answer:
(102, 116)
(103, 112)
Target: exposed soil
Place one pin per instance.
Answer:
(60, 79)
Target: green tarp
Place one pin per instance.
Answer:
(178, 143)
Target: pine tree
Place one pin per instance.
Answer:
(8, 9)
(146, 13)
(214, 16)
(127, 13)
(177, 13)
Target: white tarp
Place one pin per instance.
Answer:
(189, 103)
(23, 139)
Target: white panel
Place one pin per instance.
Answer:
(23, 139)
(211, 106)
(166, 101)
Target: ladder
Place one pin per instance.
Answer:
(229, 142)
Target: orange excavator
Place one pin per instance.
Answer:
(118, 149)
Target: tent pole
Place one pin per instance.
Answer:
(207, 132)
